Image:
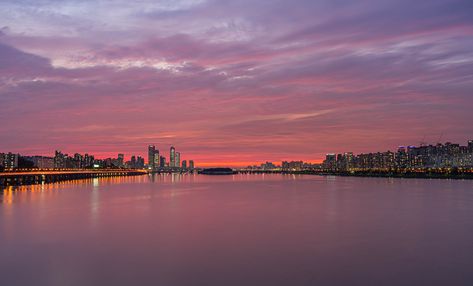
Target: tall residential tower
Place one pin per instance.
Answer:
(151, 152)
(177, 162)
(172, 157)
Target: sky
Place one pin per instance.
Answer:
(234, 82)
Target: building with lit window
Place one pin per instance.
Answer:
(157, 162)
(121, 160)
(151, 154)
(162, 161)
(172, 157)
(10, 161)
(177, 162)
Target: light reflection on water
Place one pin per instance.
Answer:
(238, 230)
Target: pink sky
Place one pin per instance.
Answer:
(234, 82)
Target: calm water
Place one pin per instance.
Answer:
(238, 230)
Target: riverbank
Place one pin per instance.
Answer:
(454, 175)
(406, 175)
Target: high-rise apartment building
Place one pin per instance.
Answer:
(157, 162)
(162, 161)
(172, 157)
(330, 161)
(177, 162)
(2, 158)
(10, 161)
(151, 154)
(59, 160)
(120, 160)
(140, 162)
(132, 162)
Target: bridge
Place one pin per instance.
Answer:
(38, 176)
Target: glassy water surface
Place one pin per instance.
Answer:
(238, 230)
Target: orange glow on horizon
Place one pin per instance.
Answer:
(247, 163)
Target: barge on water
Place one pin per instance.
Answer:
(218, 171)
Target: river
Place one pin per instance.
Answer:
(237, 230)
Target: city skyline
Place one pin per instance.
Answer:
(234, 82)
(422, 156)
(236, 142)
(156, 161)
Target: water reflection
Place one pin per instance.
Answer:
(171, 177)
(173, 229)
(11, 194)
(95, 202)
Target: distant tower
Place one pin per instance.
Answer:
(121, 159)
(184, 164)
(172, 157)
(140, 162)
(177, 162)
(156, 159)
(133, 162)
(10, 161)
(162, 161)
(330, 161)
(151, 152)
(59, 160)
(191, 164)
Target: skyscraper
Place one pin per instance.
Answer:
(172, 157)
(177, 162)
(10, 161)
(184, 164)
(330, 161)
(2, 158)
(151, 152)
(140, 162)
(133, 162)
(156, 159)
(59, 160)
(191, 164)
(120, 160)
(78, 160)
(88, 160)
(162, 161)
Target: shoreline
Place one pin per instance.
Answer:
(406, 175)
(438, 176)
(370, 174)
